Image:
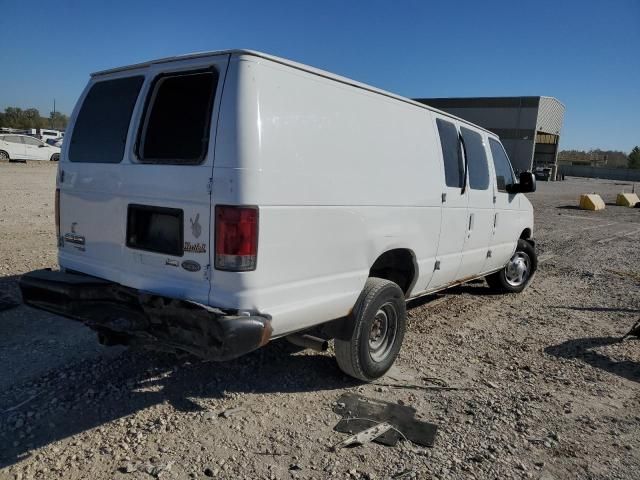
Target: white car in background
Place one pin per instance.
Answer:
(24, 147)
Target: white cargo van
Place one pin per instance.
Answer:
(212, 202)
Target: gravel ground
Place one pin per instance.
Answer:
(547, 390)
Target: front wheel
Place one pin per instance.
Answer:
(4, 156)
(55, 157)
(518, 272)
(378, 324)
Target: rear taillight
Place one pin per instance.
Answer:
(236, 238)
(57, 213)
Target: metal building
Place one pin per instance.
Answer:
(529, 127)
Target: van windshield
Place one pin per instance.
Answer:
(100, 132)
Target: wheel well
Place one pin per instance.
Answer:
(397, 265)
(526, 235)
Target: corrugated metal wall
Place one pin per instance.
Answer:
(514, 119)
(550, 116)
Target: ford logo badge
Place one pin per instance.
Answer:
(191, 266)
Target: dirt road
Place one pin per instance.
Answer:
(548, 390)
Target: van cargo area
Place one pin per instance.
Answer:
(125, 315)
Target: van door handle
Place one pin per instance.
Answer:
(471, 223)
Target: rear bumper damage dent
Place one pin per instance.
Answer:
(145, 319)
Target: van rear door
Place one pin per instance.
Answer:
(135, 178)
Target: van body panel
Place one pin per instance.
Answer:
(340, 174)
(512, 215)
(328, 209)
(480, 217)
(454, 222)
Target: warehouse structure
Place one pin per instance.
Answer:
(529, 127)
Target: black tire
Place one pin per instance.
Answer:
(378, 325)
(503, 280)
(4, 156)
(55, 157)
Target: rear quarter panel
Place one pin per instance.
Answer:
(340, 175)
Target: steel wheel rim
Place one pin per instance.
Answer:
(4, 156)
(383, 330)
(518, 269)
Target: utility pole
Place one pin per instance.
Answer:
(53, 114)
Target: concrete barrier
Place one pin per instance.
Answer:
(591, 201)
(627, 199)
(626, 174)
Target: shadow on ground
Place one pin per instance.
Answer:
(569, 207)
(475, 287)
(9, 292)
(599, 309)
(584, 349)
(84, 396)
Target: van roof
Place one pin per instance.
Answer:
(291, 63)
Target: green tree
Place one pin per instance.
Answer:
(31, 119)
(634, 158)
(58, 120)
(14, 117)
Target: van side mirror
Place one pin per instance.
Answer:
(526, 184)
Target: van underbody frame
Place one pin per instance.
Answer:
(122, 314)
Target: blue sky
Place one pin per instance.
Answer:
(585, 53)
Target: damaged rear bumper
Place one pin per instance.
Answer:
(142, 318)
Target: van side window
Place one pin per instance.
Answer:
(504, 172)
(100, 131)
(178, 118)
(451, 154)
(476, 158)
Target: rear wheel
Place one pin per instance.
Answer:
(4, 156)
(378, 324)
(517, 274)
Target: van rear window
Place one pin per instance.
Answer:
(100, 132)
(178, 118)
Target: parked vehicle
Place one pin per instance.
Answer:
(25, 147)
(44, 134)
(55, 142)
(543, 173)
(235, 197)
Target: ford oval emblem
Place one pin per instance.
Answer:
(191, 266)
